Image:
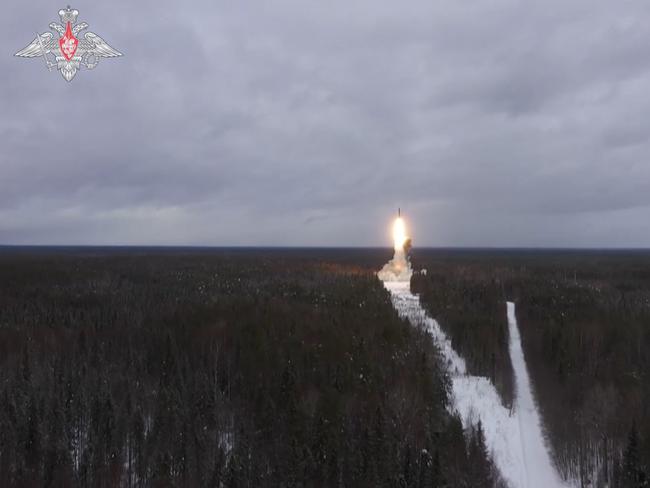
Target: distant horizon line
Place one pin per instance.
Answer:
(263, 246)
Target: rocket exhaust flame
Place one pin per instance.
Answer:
(399, 233)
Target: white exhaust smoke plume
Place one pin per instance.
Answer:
(398, 268)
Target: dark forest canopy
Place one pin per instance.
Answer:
(584, 318)
(290, 367)
(219, 368)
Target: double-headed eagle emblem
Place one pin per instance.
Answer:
(67, 52)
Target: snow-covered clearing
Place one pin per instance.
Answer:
(514, 438)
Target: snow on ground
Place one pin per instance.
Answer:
(408, 306)
(539, 470)
(514, 438)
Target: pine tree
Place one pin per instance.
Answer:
(479, 460)
(426, 478)
(57, 455)
(33, 448)
(455, 463)
(632, 475)
(407, 470)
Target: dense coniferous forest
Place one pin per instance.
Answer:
(584, 318)
(468, 303)
(193, 368)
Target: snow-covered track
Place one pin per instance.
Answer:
(514, 437)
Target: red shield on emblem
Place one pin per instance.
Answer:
(68, 43)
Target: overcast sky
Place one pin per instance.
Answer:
(297, 122)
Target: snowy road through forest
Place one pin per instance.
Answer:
(514, 438)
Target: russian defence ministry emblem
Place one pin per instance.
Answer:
(65, 49)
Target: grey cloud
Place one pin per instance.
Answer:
(292, 122)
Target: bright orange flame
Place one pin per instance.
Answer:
(399, 233)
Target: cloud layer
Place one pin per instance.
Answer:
(291, 122)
